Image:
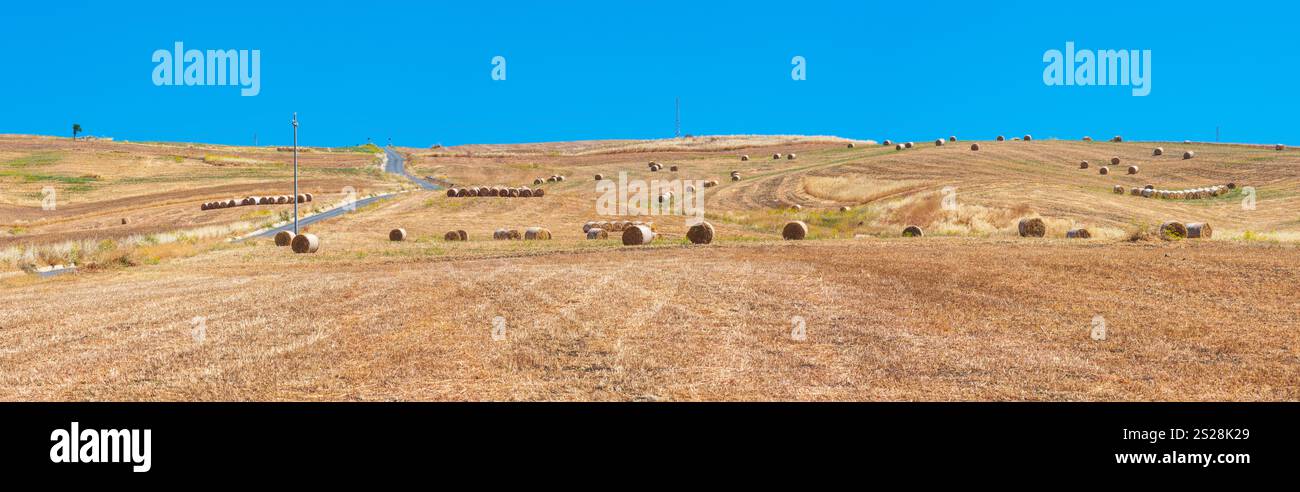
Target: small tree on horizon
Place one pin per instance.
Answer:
(76, 128)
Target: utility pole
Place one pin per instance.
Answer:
(679, 117)
(295, 174)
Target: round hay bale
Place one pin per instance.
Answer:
(909, 145)
(597, 233)
(398, 234)
(471, 191)
(637, 235)
(1032, 227)
(652, 164)
(1158, 151)
(655, 168)
(266, 200)
(513, 193)
(912, 231)
(1189, 154)
(1148, 193)
(1083, 165)
(790, 156)
(203, 206)
(550, 179)
(1028, 138)
(1079, 233)
(898, 147)
(1135, 191)
(1173, 231)
(462, 192)
(974, 146)
(673, 169)
(796, 207)
(451, 192)
(1001, 138)
(850, 145)
(735, 177)
(952, 138)
(1114, 161)
(938, 142)
(794, 230)
(309, 197)
(886, 143)
(845, 208)
(537, 193)
(599, 177)
(525, 192)
(744, 157)
(776, 157)
(1279, 147)
(701, 233)
(302, 198)
(305, 243)
(1117, 139)
(588, 226)
(280, 200)
(125, 221)
(1087, 138)
(1232, 186)
(464, 236)
(232, 203)
(537, 233)
(1199, 230)
(498, 234)
(453, 236)
(1103, 170)
(1132, 169)
(1119, 190)
(283, 238)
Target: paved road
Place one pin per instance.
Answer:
(396, 165)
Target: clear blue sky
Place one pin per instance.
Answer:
(419, 72)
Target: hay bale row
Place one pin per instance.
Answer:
(498, 191)
(1174, 230)
(537, 234)
(506, 234)
(614, 225)
(1079, 233)
(1191, 193)
(256, 200)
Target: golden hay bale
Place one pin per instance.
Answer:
(938, 142)
(499, 234)
(539, 193)
(1083, 165)
(398, 234)
(125, 221)
(1001, 138)
(701, 233)
(796, 207)
(513, 192)
(850, 145)
(1135, 191)
(309, 197)
(462, 192)
(588, 226)
(845, 208)
(909, 145)
(1173, 231)
(1119, 190)
(1232, 186)
(597, 233)
(1132, 169)
(974, 146)
(537, 233)
(735, 177)
(232, 203)
(637, 234)
(1148, 193)
(790, 156)
(305, 243)
(1103, 170)
(1079, 233)
(952, 138)
(471, 191)
(452, 192)
(898, 147)
(281, 200)
(618, 226)
(302, 198)
(464, 236)
(283, 238)
(673, 168)
(525, 192)
(550, 179)
(1117, 139)
(1032, 227)
(599, 177)
(1199, 230)
(1279, 147)
(744, 157)
(776, 157)
(655, 168)
(1114, 161)
(652, 164)
(912, 231)
(453, 236)
(1028, 138)
(266, 200)
(203, 206)
(1158, 151)
(886, 143)
(1087, 138)
(794, 230)
(1189, 154)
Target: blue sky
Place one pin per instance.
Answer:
(420, 72)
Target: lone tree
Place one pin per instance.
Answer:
(76, 128)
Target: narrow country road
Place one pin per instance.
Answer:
(396, 165)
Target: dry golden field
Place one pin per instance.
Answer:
(971, 311)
